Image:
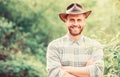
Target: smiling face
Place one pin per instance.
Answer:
(75, 23)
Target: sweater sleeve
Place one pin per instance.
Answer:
(53, 62)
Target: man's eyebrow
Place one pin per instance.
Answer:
(71, 19)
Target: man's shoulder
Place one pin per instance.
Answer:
(92, 41)
(57, 41)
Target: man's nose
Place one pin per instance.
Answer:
(76, 23)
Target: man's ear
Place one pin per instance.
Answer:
(65, 20)
(84, 15)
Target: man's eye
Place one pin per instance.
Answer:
(71, 20)
(79, 20)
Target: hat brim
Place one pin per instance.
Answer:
(63, 15)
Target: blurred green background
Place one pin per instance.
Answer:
(27, 26)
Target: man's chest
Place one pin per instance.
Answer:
(74, 55)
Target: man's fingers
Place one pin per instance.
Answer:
(89, 62)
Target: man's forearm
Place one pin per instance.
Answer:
(78, 71)
(66, 74)
(70, 75)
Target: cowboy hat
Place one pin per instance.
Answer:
(74, 8)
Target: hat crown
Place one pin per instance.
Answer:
(74, 8)
(73, 5)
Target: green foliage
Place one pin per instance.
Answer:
(22, 66)
(112, 62)
(27, 26)
(13, 62)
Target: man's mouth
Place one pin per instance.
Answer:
(75, 27)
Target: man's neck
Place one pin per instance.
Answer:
(74, 38)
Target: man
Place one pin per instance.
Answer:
(75, 55)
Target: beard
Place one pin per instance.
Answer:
(75, 30)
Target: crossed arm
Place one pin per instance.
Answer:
(93, 68)
(74, 72)
(77, 71)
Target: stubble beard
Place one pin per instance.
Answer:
(75, 34)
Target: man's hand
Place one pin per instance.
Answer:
(89, 62)
(67, 68)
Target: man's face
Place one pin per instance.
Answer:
(75, 24)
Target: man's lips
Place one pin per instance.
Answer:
(75, 27)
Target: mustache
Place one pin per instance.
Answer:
(75, 26)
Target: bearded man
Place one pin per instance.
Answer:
(75, 55)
